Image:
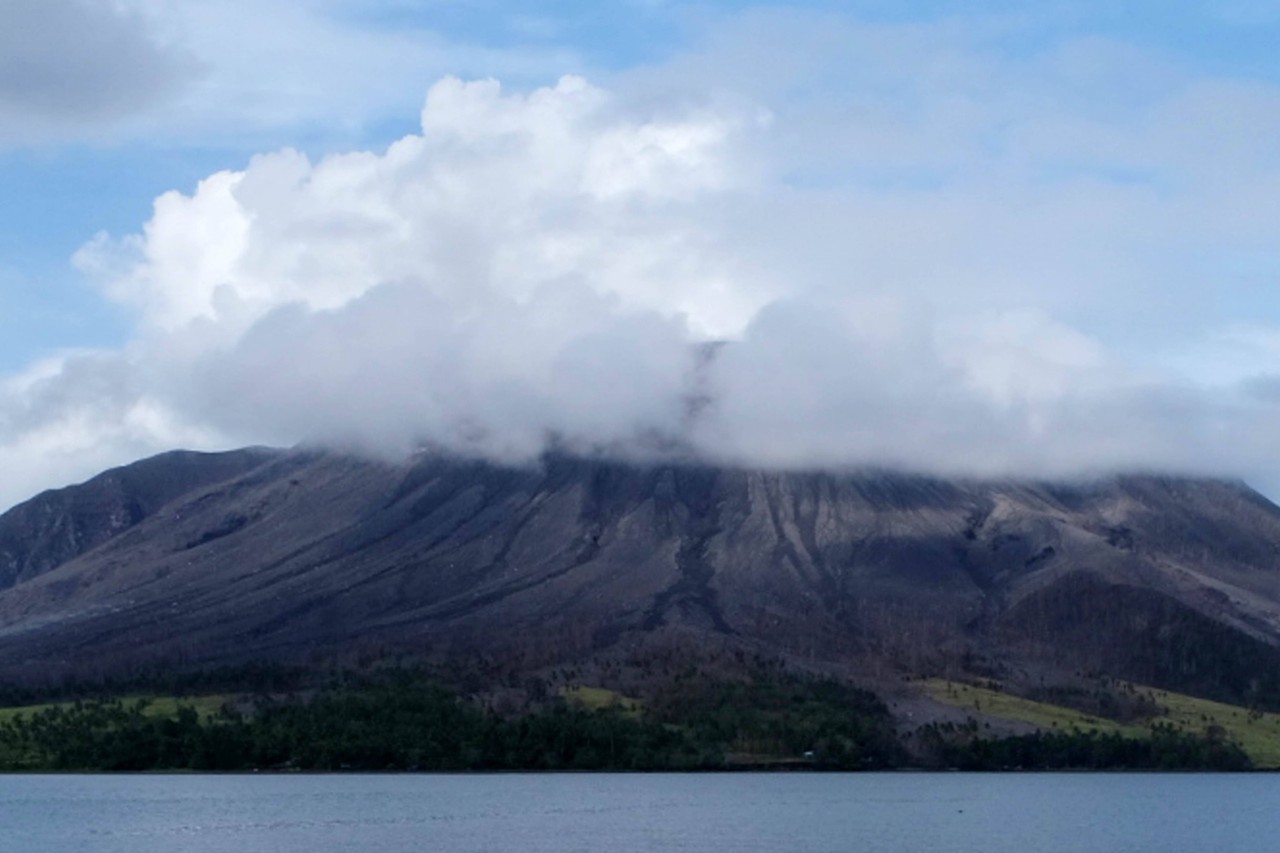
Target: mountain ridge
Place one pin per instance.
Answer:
(193, 560)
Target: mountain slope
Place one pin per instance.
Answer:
(61, 524)
(298, 555)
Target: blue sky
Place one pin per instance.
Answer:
(1067, 202)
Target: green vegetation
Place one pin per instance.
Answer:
(783, 720)
(402, 720)
(400, 724)
(108, 734)
(156, 707)
(1005, 706)
(9, 714)
(1256, 733)
(599, 699)
(1164, 748)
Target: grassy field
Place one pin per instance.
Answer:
(159, 707)
(596, 698)
(1258, 734)
(1007, 707)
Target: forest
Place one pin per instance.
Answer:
(405, 721)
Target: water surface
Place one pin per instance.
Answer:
(639, 813)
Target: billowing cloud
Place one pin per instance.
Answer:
(498, 196)
(1000, 265)
(530, 267)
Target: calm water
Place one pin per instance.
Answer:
(631, 813)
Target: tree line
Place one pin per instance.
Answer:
(962, 748)
(406, 721)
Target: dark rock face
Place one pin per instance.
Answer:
(192, 559)
(60, 525)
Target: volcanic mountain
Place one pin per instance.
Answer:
(191, 559)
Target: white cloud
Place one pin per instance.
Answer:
(68, 417)
(500, 196)
(530, 266)
(978, 263)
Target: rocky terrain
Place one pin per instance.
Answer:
(190, 559)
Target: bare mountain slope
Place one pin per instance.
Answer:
(286, 555)
(61, 524)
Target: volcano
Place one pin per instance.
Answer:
(195, 560)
